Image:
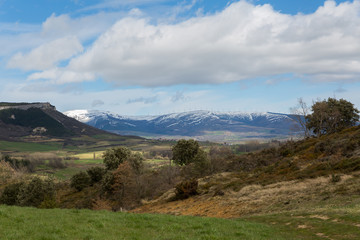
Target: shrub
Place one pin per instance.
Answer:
(186, 189)
(10, 194)
(335, 178)
(80, 181)
(35, 192)
(107, 183)
(56, 163)
(6, 172)
(96, 174)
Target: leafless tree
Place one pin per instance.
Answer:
(300, 111)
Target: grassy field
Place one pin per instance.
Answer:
(30, 223)
(29, 146)
(324, 223)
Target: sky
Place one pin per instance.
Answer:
(150, 57)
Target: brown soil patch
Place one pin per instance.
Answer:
(320, 217)
(303, 226)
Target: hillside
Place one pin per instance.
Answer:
(18, 120)
(313, 173)
(202, 125)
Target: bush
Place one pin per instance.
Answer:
(335, 178)
(96, 174)
(35, 192)
(10, 194)
(186, 189)
(56, 163)
(80, 181)
(107, 183)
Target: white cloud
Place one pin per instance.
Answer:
(47, 55)
(61, 76)
(20, 37)
(243, 41)
(85, 27)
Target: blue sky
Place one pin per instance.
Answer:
(141, 57)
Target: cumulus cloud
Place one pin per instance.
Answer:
(47, 55)
(61, 76)
(243, 41)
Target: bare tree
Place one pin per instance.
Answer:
(300, 111)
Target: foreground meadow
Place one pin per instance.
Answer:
(31, 223)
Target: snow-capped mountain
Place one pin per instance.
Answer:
(203, 125)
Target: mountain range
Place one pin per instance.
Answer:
(201, 125)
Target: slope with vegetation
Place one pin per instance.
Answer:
(298, 175)
(309, 189)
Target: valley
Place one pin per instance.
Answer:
(294, 189)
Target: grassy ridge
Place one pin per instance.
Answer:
(30, 223)
(29, 146)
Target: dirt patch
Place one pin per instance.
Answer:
(320, 217)
(303, 226)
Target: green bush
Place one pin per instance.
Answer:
(10, 194)
(96, 174)
(35, 192)
(107, 183)
(80, 181)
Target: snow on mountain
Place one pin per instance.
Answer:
(194, 123)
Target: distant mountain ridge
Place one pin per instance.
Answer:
(202, 125)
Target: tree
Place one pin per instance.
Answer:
(125, 187)
(136, 161)
(300, 112)
(184, 151)
(115, 156)
(332, 115)
(202, 165)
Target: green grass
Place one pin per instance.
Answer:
(30, 223)
(66, 173)
(29, 147)
(330, 223)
